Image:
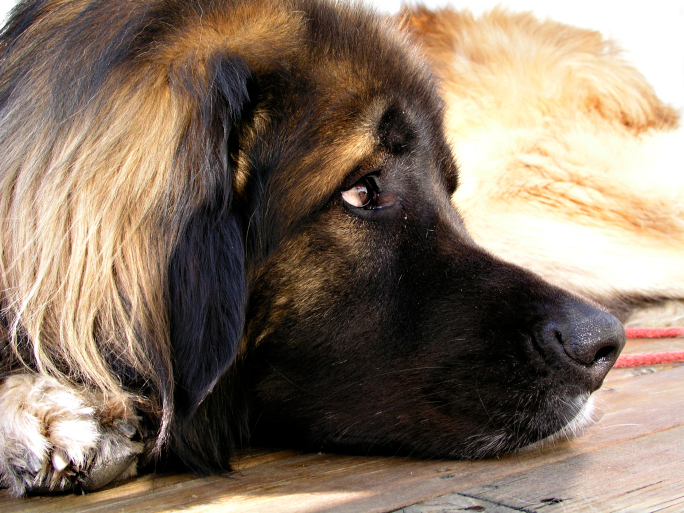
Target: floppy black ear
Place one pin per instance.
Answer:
(207, 289)
(207, 283)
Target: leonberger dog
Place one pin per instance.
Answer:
(569, 163)
(229, 222)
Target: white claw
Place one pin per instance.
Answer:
(60, 460)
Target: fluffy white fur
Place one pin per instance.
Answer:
(586, 416)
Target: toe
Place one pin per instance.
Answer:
(104, 472)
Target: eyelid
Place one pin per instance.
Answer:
(386, 199)
(359, 174)
(372, 164)
(373, 179)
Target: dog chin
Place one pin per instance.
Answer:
(587, 415)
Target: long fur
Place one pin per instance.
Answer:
(565, 147)
(100, 183)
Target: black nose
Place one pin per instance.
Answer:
(589, 338)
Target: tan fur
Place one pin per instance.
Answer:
(569, 163)
(92, 232)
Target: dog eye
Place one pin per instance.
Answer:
(364, 193)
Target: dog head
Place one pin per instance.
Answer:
(261, 192)
(373, 321)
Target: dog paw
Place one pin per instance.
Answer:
(54, 438)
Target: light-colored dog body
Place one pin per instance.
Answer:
(569, 163)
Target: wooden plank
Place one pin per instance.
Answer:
(653, 345)
(640, 474)
(455, 502)
(635, 406)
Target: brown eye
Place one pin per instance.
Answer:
(363, 194)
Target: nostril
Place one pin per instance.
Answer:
(595, 339)
(605, 353)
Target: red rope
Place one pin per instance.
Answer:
(654, 332)
(645, 359)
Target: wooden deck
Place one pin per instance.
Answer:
(631, 460)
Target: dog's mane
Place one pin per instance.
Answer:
(106, 155)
